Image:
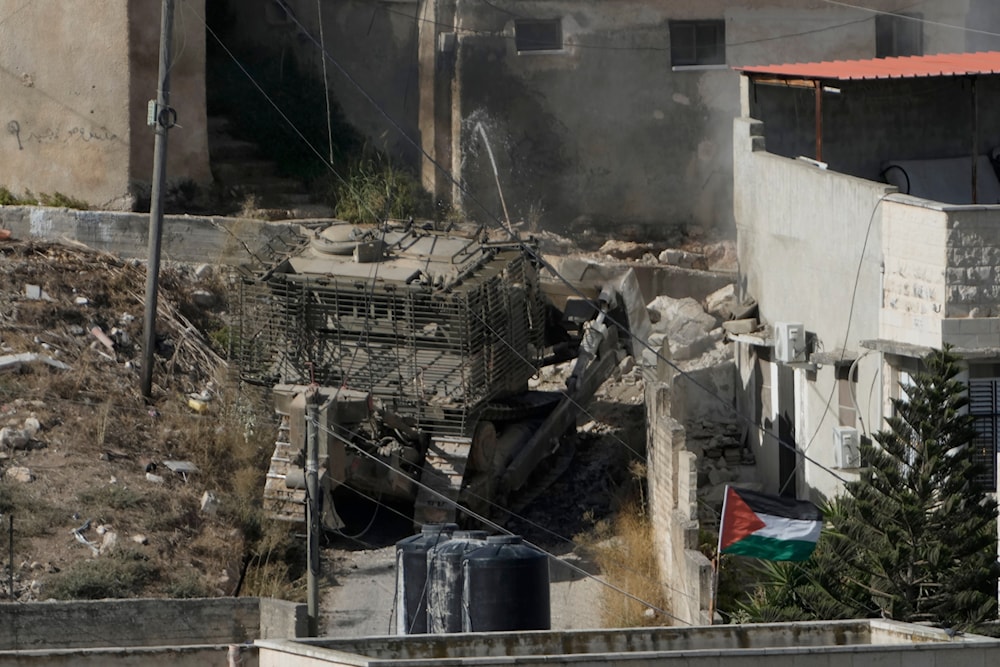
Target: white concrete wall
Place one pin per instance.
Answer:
(809, 242)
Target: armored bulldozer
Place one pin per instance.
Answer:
(416, 347)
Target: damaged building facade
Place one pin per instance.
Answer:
(613, 120)
(589, 118)
(867, 205)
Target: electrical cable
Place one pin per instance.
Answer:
(917, 19)
(847, 331)
(497, 527)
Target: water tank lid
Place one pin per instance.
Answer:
(504, 539)
(433, 528)
(469, 535)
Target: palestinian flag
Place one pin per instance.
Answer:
(768, 527)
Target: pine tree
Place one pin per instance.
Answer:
(914, 538)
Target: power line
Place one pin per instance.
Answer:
(909, 17)
(498, 528)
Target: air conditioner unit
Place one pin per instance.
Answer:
(789, 342)
(846, 447)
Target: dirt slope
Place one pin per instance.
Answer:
(81, 450)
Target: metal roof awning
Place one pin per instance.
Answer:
(906, 67)
(819, 75)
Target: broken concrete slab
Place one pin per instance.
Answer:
(686, 325)
(19, 474)
(723, 302)
(683, 259)
(36, 293)
(739, 327)
(13, 362)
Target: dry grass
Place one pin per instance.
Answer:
(623, 549)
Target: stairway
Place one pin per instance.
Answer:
(253, 181)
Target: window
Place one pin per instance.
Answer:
(984, 406)
(898, 35)
(847, 385)
(537, 35)
(697, 43)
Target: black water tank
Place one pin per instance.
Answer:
(506, 587)
(444, 580)
(411, 576)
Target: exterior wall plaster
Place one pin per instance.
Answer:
(74, 80)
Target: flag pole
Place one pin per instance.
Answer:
(717, 561)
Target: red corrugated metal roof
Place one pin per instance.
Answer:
(943, 64)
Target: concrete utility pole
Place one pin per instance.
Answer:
(312, 509)
(163, 118)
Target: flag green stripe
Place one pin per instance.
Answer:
(770, 548)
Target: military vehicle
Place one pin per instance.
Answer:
(417, 347)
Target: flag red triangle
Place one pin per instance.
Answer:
(738, 520)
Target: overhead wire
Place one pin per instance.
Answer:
(498, 528)
(847, 331)
(533, 253)
(538, 258)
(917, 19)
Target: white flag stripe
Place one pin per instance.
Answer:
(781, 528)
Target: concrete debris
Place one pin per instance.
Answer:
(723, 302)
(19, 474)
(36, 293)
(156, 479)
(209, 503)
(686, 325)
(182, 468)
(109, 542)
(625, 249)
(14, 438)
(13, 362)
(140, 539)
(739, 327)
(32, 426)
(683, 259)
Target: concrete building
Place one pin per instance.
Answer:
(589, 118)
(867, 208)
(75, 78)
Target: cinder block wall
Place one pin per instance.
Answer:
(672, 477)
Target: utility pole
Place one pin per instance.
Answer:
(162, 117)
(312, 509)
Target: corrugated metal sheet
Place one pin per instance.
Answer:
(944, 64)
